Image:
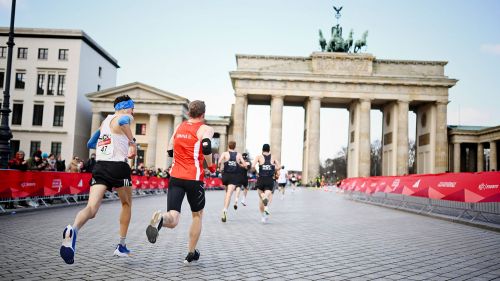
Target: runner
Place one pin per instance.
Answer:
(282, 180)
(231, 163)
(189, 146)
(244, 180)
(114, 143)
(293, 180)
(265, 181)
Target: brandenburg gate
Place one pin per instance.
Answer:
(358, 82)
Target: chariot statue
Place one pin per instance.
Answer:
(337, 42)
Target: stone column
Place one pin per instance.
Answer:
(152, 136)
(441, 152)
(364, 138)
(222, 143)
(96, 123)
(402, 149)
(177, 121)
(456, 157)
(276, 126)
(313, 137)
(171, 128)
(480, 157)
(493, 156)
(239, 121)
(305, 147)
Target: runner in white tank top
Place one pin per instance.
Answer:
(114, 144)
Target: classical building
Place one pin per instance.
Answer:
(473, 148)
(52, 69)
(358, 83)
(156, 114)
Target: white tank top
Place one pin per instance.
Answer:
(282, 178)
(111, 147)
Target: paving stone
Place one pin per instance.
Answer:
(311, 235)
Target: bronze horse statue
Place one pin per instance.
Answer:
(360, 42)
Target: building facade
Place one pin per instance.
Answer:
(473, 148)
(52, 70)
(156, 114)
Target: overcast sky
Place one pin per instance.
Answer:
(188, 48)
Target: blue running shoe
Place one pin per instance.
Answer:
(68, 247)
(122, 251)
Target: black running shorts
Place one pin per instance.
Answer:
(111, 174)
(281, 184)
(244, 180)
(231, 178)
(193, 189)
(265, 183)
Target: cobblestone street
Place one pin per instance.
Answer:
(311, 235)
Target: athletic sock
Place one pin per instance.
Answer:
(224, 210)
(75, 229)
(122, 241)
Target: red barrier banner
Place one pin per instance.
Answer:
(212, 182)
(19, 184)
(462, 187)
(143, 182)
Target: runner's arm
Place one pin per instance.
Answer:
(208, 133)
(241, 162)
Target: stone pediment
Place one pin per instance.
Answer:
(139, 92)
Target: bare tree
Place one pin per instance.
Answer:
(412, 153)
(376, 158)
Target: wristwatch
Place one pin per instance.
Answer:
(132, 141)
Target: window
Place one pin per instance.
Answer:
(34, 147)
(100, 71)
(43, 53)
(50, 84)
(140, 129)
(60, 84)
(98, 87)
(14, 147)
(55, 148)
(20, 80)
(40, 84)
(17, 114)
(22, 53)
(37, 114)
(2, 77)
(3, 52)
(58, 115)
(63, 54)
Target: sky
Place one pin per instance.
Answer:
(189, 47)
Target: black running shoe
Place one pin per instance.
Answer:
(153, 229)
(192, 256)
(235, 207)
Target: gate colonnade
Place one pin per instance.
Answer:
(358, 83)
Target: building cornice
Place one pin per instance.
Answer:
(41, 131)
(342, 79)
(73, 34)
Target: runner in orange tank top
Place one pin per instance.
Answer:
(188, 160)
(189, 146)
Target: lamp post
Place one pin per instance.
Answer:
(5, 132)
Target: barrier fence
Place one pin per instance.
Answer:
(18, 185)
(472, 194)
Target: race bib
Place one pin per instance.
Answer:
(104, 148)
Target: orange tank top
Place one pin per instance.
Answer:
(188, 155)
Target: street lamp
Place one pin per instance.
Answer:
(5, 132)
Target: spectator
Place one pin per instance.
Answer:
(18, 162)
(89, 166)
(36, 163)
(60, 164)
(74, 165)
(51, 163)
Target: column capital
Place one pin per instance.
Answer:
(240, 95)
(315, 98)
(403, 101)
(365, 100)
(277, 97)
(441, 102)
(153, 114)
